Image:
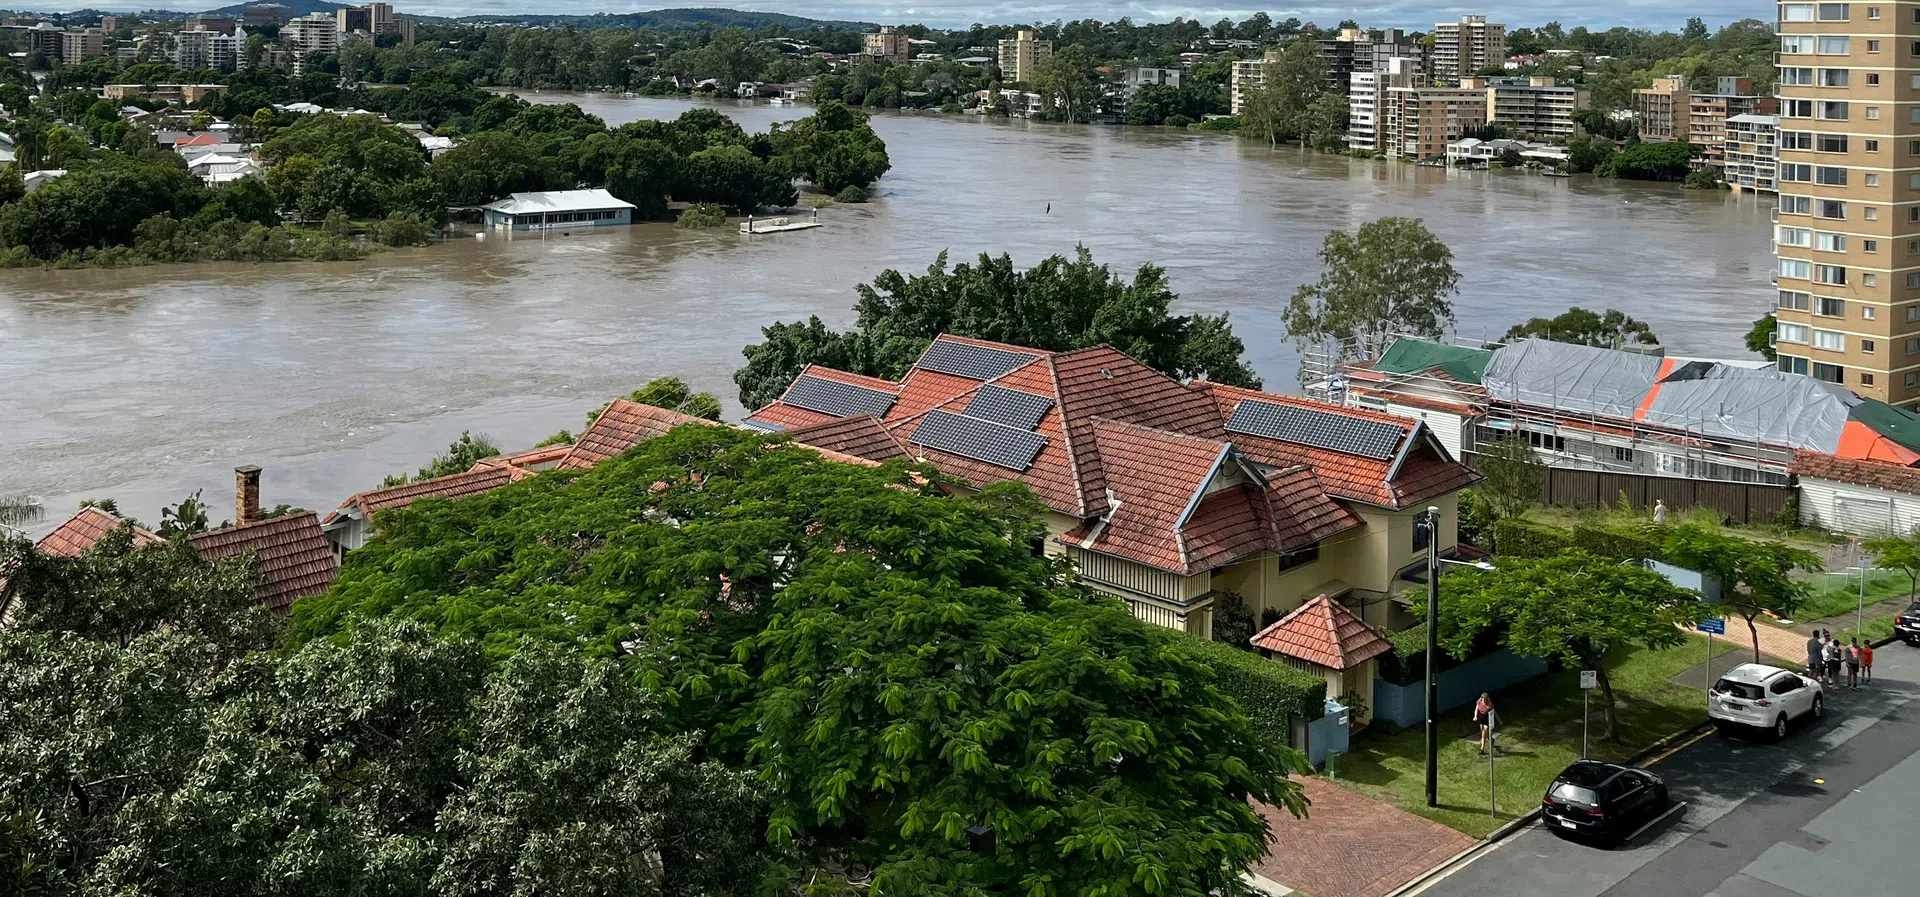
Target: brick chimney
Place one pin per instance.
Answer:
(246, 495)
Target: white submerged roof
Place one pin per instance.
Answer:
(557, 201)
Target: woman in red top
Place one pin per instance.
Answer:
(1483, 717)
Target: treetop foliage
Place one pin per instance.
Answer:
(1612, 329)
(1060, 304)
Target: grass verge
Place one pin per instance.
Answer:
(1539, 736)
(1838, 594)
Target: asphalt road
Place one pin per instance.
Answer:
(1829, 812)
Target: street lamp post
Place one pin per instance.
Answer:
(1434, 560)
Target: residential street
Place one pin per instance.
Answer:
(1826, 812)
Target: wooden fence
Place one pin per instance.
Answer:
(1744, 502)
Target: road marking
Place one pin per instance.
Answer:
(1676, 748)
(1651, 822)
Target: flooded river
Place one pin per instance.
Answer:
(145, 384)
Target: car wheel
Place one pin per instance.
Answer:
(1819, 705)
(1780, 727)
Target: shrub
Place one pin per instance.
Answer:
(700, 215)
(1177, 121)
(1224, 123)
(1514, 537)
(1476, 519)
(1270, 692)
(1233, 620)
(1616, 543)
(399, 229)
(852, 194)
(1406, 664)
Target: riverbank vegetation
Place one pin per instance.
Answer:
(639, 670)
(1059, 304)
(125, 200)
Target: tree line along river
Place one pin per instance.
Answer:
(146, 383)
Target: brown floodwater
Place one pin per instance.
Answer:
(147, 383)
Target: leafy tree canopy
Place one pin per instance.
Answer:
(1760, 337)
(1392, 277)
(1057, 305)
(1577, 325)
(922, 701)
(1755, 577)
(459, 457)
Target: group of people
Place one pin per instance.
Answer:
(1825, 654)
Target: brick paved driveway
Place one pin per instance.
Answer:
(1352, 846)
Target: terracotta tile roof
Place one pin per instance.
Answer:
(85, 528)
(1103, 382)
(863, 436)
(1878, 474)
(1423, 473)
(622, 426)
(529, 459)
(782, 417)
(1303, 512)
(1324, 633)
(295, 556)
(454, 486)
(921, 390)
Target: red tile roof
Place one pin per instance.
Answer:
(1303, 512)
(1323, 633)
(82, 530)
(295, 556)
(862, 435)
(480, 479)
(622, 426)
(782, 415)
(528, 460)
(1423, 474)
(1878, 474)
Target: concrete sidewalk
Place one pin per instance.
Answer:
(1352, 846)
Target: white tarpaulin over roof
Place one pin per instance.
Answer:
(1705, 398)
(1569, 378)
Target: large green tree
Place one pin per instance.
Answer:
(1069, 87)
(833, 149)
(926, 705)
(1061, 303)
(1755, 577)
(1760, 337)
(1392, 277)
(1575, 608)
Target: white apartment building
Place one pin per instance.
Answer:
(1753, 153)
(1248, 75)
(197, 47)
(316, 33)
(1364, 98)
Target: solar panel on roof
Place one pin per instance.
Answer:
(971, 361)
(836, 398)
(1321, 429)
(981, 440)
(1009, 406)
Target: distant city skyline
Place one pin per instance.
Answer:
(1657, 15)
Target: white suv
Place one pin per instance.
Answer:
(1765, 697)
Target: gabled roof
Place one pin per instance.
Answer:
(529, 460)
(787, 412)
(84, 529)
(1878, 474)
(1418, 470)
(482, 478)
(622, 426)
(552, 201)
(295, 556)
(862, 435)
(1323, 633)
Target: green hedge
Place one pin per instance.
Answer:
(1621, 545)
(1513, 537)
(1407, 662)
(1269, 691)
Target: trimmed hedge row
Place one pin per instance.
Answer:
(1617, 544)
(1513, 537)
(1270, 692)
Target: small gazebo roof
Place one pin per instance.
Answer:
(1324, 633)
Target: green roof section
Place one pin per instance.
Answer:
(1898, 424)
(1413, 356)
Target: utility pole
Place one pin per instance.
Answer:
(1433, 654)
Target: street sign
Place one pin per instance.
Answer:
(1589, 679)
(1717, 627)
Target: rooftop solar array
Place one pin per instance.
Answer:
(1009, 406)
(981, 440)
(971, 361)
(837, 398)
(1308, 426)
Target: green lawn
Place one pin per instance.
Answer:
(1877, 628)
(1540, 735)
(1835, 594)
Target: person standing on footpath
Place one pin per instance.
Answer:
(1866, 662)
(1853, 664)
(1816, 656)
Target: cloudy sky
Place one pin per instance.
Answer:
(1655, 14)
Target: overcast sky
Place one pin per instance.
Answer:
(1654, 14)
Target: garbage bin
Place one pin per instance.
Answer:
(1333, 764)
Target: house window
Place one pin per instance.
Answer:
(1784, 332)
(1796, 108)
(1796, 12)
(1797, 268)
(1826, 242)
(1792, 365)
(1834, 110)
(1870, 245)
(1870, 213)
(1795, 205)
(1830, 143)
(1827, 306)
(1300, 558)
(1831, 373)
(1833, 78)
(1866, 346)
(1796, 43)
(1867, 280)
(1794, 236)
(1913, 346)
(1797, 301)
(1866, 379)
(1804, 140)
(1830, 340)
(1797, 77)
(1873, 80)
(1833, 45)
(1831, 208)
(1833, 274)
(1546, 441)
(1873, 180)
(1873, 46)
(1868, 312)
(1873, 12)
(1912, 379)
(1833, 12)
(1790, 171)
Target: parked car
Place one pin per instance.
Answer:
(1603, 802)
(1906, 624)
(1766, 697)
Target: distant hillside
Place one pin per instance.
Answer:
(294, 7)
(675, 19)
